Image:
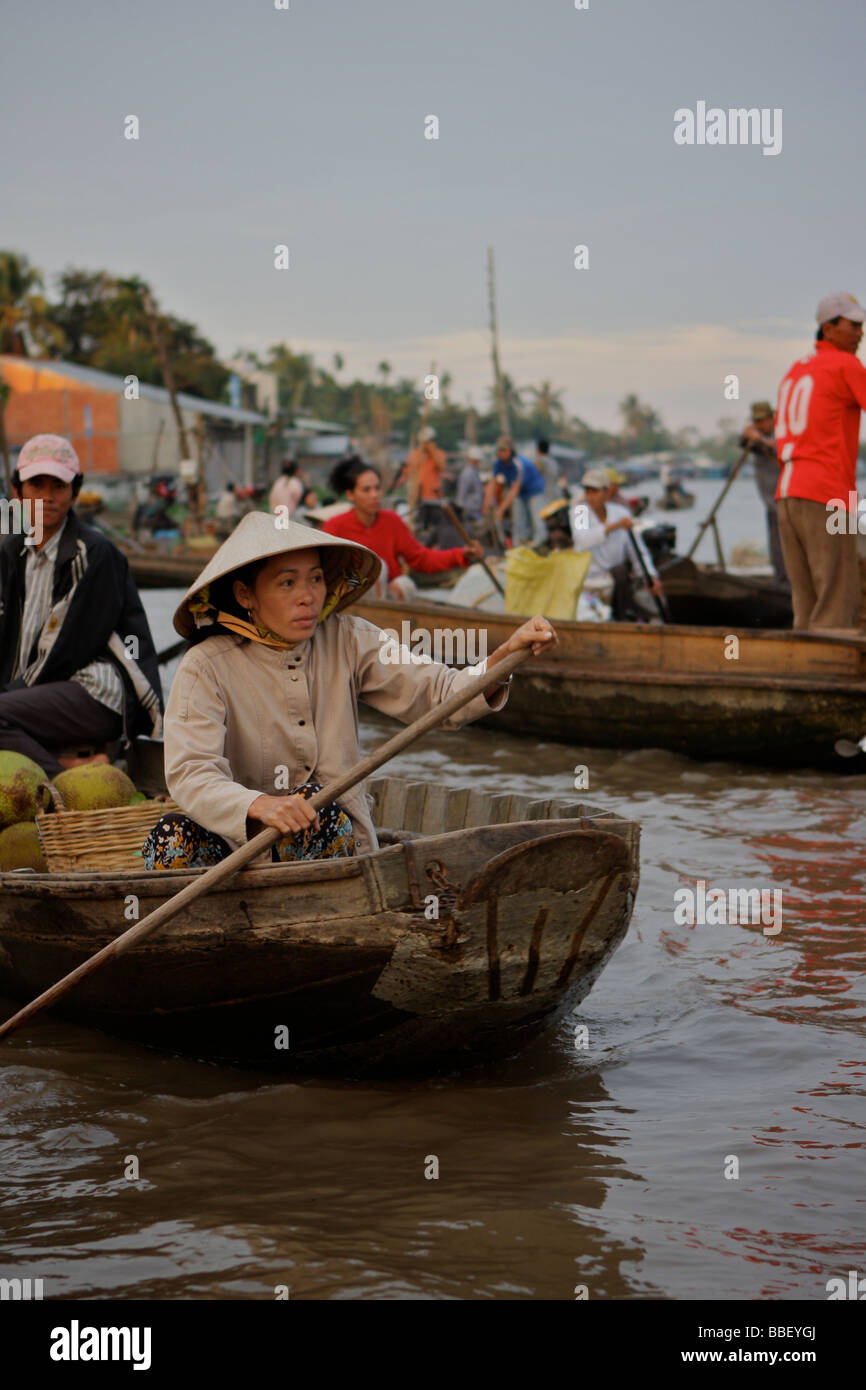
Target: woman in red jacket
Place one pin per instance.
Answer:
(384, 533)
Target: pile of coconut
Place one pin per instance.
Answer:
(25, 791)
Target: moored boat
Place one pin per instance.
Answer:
(478, 922)
(153, 570)
(697, 594)
(778, 698)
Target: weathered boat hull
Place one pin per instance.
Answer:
(715, 598)
(776, 698)
(154, 571)
(345, 965)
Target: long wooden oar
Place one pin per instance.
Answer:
(450, 515)
(220, 872)
(169, 653)
(661, 601)
(711, 519)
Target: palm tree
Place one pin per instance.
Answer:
(384, 369)
(25, 316)
(338, 362)
(547, 403)
(295, 372)
(642, 426)
(512, 395)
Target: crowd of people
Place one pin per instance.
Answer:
(78, 668)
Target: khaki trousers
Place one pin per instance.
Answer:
(822, 568)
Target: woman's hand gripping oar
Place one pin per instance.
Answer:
(499, 669)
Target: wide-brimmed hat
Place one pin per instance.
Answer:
(561, 504)
(350, 569)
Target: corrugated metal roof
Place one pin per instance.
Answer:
(309, 422)
(106, 381)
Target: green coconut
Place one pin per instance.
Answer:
(21, 848)
(94, 787)
(23, 789)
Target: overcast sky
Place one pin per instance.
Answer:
(306, 127)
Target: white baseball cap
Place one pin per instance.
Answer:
(834, 305)
(595, 478)
(473, 452)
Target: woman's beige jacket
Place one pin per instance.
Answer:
(243, 718)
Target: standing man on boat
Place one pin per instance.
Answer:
(607, 537)
(423, 474)
(470, 489)
(77, 661)
(760, 439)
(817, 436)
(523, 489)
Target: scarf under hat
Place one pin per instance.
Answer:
(205, 615)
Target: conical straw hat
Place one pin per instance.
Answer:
(259, 535)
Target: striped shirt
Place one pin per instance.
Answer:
(99, 678)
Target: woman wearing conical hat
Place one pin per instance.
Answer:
(263, 709)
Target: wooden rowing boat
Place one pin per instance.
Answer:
(778, 698)
(480, 921)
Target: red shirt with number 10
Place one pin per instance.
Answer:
(818, 425)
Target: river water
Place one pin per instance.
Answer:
(707, 1143)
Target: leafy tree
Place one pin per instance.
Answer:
(643, 430)
(105, 325)
(548, 411)
(27, 325)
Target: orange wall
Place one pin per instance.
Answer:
(45, 402)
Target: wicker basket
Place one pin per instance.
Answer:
(101, 841)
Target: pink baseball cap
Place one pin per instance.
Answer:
(48, 453)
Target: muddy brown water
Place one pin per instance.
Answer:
(602, 1165)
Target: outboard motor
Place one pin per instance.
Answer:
(661, 542)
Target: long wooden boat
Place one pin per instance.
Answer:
(479, 922)
(153, 570)
(777, 698)
(715, 598)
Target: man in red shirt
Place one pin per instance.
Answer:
(817, 433)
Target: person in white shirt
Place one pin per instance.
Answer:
(227, 513)
(603, 527)
(288, 490)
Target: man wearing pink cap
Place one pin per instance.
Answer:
(77, 661)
